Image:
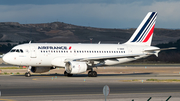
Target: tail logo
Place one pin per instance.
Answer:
(149, 34)
(146, 30)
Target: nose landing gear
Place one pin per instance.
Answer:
(28, 74)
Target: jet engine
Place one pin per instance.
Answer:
(40, 69)
(74, 67)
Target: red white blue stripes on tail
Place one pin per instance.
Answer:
(145, 30)
(149, 34)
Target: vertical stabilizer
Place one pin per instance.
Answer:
(143, 34)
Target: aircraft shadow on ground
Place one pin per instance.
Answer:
(86, 75)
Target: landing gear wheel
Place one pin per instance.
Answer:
(92, 74)
(89, 73)
(70, 75)
(28, 74)
(67, 74)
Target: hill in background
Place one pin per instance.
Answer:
(60, 32)
(13, 33)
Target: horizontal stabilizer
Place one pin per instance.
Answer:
(160, 49)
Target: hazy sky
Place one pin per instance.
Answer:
(94, 13)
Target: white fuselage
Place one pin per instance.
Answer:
(43, 54)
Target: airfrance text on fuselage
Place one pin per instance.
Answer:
(53, 47)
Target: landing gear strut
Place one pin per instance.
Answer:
(28, 74)
(67, 74)
(92, 73)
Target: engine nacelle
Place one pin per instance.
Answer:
(74, 67)
(40, 69)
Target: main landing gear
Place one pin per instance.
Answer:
(92, 73)
(28, 74)
(67, 74)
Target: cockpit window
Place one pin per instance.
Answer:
(17, 50)
(13, 50)
(21, 50)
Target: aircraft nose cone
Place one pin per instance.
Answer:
(5, 58)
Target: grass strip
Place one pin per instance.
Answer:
(130, 80)
(152, 80)
(6, 73)
(12, 68)
(165, 80)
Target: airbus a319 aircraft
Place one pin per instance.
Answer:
(79, 58)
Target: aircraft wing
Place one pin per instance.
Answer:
(104, 57)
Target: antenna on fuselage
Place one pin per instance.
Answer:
(29, 42)
(99, 42)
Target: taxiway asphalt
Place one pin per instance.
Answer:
(81, 87)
